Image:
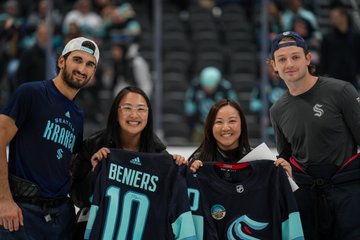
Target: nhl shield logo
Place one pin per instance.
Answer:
(240, 188)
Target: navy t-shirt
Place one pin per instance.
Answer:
(49, 128)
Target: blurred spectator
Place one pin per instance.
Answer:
(207, 4)
(304, 29)
(90, 23)
(274, 20)
(39, 14)
(128, 67)
(295, 9)
(183, 5)
(247, 5)
(307, 32)
(38, 62)
(340, 49)
(74, 31)
(11, 32)
(203, 91)
(120, 23)
(99, 5)
(24, 7)
(221, 3)
(273, 90)
(274, 23)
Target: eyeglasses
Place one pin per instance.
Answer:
(138, 109)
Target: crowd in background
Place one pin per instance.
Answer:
(29, 46)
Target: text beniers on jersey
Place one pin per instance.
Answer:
(133, 177)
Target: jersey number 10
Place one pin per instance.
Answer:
(120, 207)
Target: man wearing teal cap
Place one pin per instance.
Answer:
(210, 77)
(205, 90)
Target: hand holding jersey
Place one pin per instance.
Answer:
(179, 159)
(103, 152)
(129, 127)
(98, 156)
(223, 196)
(195, 165)
(132, 191)
(284, 164)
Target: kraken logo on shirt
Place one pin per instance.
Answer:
(243, 228)
(60, 131)
(59, 154)
(318, 111)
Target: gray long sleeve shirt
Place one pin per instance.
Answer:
(320, 126)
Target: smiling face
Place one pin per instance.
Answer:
(132, 114)
(227, 128)
(78, 69)
(291, 63)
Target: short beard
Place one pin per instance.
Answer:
(70, 81)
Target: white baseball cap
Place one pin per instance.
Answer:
(82, 44)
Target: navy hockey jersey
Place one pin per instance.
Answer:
(140, 196)
(255, 202)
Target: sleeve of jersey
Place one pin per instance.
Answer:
(291, 227)
(180, 214)
(351, 110)
(19, 105)
(197, 209)
(95, 203)
(282, 145)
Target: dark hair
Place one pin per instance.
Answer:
(65, 57)
(338, 6)
(208, 147)
(113, 130)
(89, 45)
(309, 27)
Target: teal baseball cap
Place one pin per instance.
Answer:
(210, 77)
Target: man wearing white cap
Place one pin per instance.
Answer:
(43, 127)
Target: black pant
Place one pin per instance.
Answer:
(81, 221)
(329, 206)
